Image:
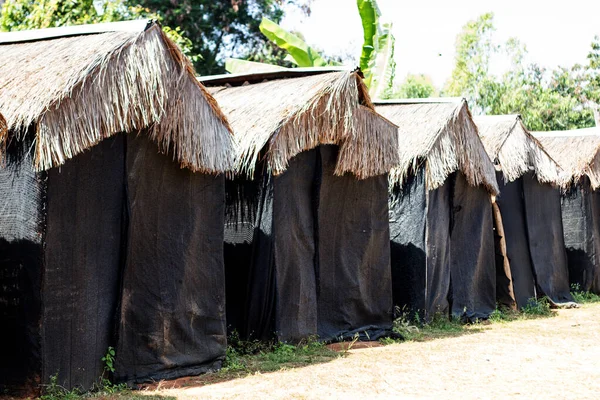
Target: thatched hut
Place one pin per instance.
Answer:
(440, 210)
(112, 197)
(578, 153)
(527, 214)
(307, 249)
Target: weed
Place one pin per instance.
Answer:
(245, 357)
(581, 296)
(537, 307)
(54, 391)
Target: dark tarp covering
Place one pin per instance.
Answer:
(319, 263)
(72, 312)
(21, 255)
(172, 320)
(512, 208)
(581, 224)
(81, 275)
(63, 240)
(408, 221)
(420, 247)
(546, 239)
(439, 218)
(295, 257)
(355, 291)
(472, 261)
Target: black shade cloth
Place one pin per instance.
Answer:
(512, 208)
(63, 246)
(21, 260)
(173, 304)
(320, 253)
(294, 247)
(82, 258)
(472, 261)
(439, 204)
(355, 291)
(581, 235)
(546, 239)
(408, 221)
(68, 267)
(420, 247)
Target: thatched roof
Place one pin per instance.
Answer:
(283, 114)
(576, 151)
(440, 135)
(514, 150)
(79, 85)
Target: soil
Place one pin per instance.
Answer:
(549, 358)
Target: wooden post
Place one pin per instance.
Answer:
(506, 263)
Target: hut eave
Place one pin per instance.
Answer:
(79, 90)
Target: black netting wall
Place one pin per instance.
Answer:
(295, 247)
(420, 246)
(21, 256)
(512, 209)
(172, 320)
(82, 260)
(579, 235)
(355, 289)
(310, 270)
(546, 239)
(595, 214)
(473, 269)
(439, 206)
(408, 220)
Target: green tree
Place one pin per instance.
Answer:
(376, 60)
(474, 48)
(207, 30)
(219, 29)
(414, 87)
(547, 100)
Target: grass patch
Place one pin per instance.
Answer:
(249, 357)
(412, 329)
(583, 297)
(442, 326)
(104, 390)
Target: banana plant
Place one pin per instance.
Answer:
(377, 57)
(376, 60)
(299, 52)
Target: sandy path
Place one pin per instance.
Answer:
(551, 358)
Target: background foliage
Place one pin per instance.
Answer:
(210, 31)
(207, 30)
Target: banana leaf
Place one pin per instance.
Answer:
(303, 55)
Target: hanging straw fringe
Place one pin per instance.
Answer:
(444, 137)
(293, 115)
(81, 90)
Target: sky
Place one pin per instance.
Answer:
(556, 33)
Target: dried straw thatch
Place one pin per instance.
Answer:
(514, 150)
(576, 151)
(3, 126)
(284, 117)
(440, 135)
(79, 85)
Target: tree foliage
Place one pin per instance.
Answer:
(414, 87)
(207, 30)
(547, 99)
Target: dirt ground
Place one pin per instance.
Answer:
(549, 358)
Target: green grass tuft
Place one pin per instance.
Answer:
(583, 297)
